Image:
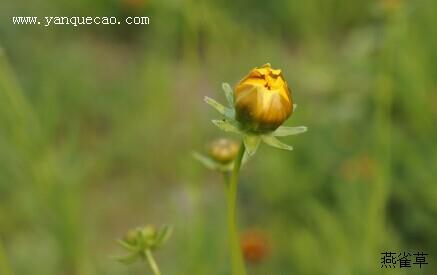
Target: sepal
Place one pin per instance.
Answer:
(208, 162)
(163, 235)
(212, 164)
(226, 125)
(225, 111)
(284, 131)
(229, 94)
(127, 259)
(251, 143)
(127, 246)
(274, 142)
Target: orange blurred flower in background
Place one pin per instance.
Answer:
(361, 167)
(391, 5)
(133, 5)
(255, 246)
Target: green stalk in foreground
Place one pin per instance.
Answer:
(152, 262)
(237, 263)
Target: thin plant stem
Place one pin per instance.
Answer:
(5, 268)
(237, 263)
(226, 178)
(152, 262)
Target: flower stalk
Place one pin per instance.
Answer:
(152, 263)
(256, 109)
(237, 263)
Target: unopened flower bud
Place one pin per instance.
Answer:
(149, 231)
(131, 236)
(223, 150)
(148, 234)
(141, 241)
(263, 100)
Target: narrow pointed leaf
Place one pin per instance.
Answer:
(246, 157)
(127, 246)
(272, 141)
(229, 93)
(226, 126)
(213, 103)
(251, 142)
(127, 259)
(227, 112)
(163, 235)
(209, 163)
(294, 107)
(288, 131)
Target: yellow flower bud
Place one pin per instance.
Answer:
(223, 150)
(262, 100)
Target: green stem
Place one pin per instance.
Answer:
(226, 178)
(237, 263)
(152, 262)
(4, 264)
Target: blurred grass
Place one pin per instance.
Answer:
(98, 124)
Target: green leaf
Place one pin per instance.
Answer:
(213, 103)
(251, 143)
(274, 142)
(229, 93)
(127, 246)
(227, 112)
(163, 235)
(294, 107)
(230, 113)
(208, 162)
(246, 157)
(226, 126)
(127, 259)
(288, 131)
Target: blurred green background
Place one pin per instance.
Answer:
(97, 124)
